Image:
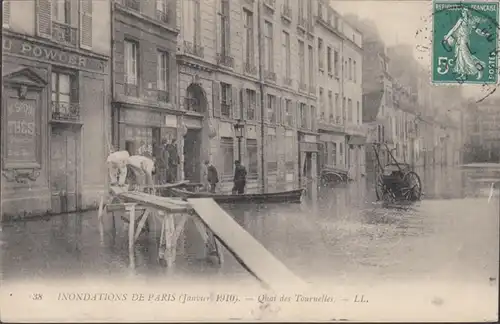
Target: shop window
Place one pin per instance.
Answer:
(253, 159)
(64, 101)
(227, 148)
(226, 94)
(131, 68)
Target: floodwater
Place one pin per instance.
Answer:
(342, 234)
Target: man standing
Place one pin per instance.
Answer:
(240, 178)
(212, 176)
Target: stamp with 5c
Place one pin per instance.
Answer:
(465, 42)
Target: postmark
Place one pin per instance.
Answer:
(465, 42)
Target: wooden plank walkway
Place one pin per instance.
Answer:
(244, 247)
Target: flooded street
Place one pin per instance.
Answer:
(341, 235)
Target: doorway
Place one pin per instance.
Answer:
(192, 155)
(64, 167)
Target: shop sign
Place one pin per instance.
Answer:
(21, 139)
(308, 147)
(50, 54)
(139, 117)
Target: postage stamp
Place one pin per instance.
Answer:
(465, 42)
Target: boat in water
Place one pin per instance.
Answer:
(290, 196)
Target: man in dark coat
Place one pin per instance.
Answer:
(240, 178)
(212, 176)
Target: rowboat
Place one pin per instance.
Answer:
(290, 196)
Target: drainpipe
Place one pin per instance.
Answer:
(261, 89)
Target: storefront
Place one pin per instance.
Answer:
(148, 131)
(356, 156)
(54, 127)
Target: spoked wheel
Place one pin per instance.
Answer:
(414, 190)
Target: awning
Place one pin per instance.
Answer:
(356, 140)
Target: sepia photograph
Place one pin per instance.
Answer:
(249, 160)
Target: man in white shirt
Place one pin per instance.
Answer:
(117, 167)
(143, 168)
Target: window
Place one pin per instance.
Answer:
(349, 110)
(271, 108)
(312, 118)
(334, 154)
(302, 115)
(272, 154)
(225, 28)
(163, 71)
(249, 37)
(360, 115)
(253, 159)
(336, 63)
(301, 9)
(330, 16)
(320, 10)
(345, 70)
(329, 59)
(192, 29)
(62, 11)
(252, 104)
(162, 10)
(350, 69)
(337, 113)
(311, 66)
(343, 108)
(131, 59)
(286, 54)
(301, 62)
(227, 148)
(63, 95)
(288, 112)
(320, 54)
(322, 112)
(226, 95)
(309, 10)
(330, 105)
(268, 47)
(290, 153)
(355, 71)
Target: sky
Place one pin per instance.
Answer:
(402, 21)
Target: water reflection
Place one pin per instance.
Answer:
(336, 231)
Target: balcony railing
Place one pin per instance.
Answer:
(133, 4)
(162, 95)
(287, 12)
(303, 87)
(193, 49)
(162, 15)
(270, 76)
(250, 68)
(225, 60)
(287, 81)
(64, 33)
(65, 111)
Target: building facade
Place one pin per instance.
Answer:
(55, 105)
(145, 112)
(331, 115)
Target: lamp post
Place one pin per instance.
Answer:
(238, 129)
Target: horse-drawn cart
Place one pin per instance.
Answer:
(396, 181)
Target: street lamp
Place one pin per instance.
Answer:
(238, 129)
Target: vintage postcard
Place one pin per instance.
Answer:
(249, 160)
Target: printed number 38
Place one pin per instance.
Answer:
(444, 65)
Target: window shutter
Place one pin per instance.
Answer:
(6, 13)
(44, 18)
(244, 104)
(216, 98)
(86, 24)
(235, 104)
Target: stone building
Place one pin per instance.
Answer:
(330, 113)
(144, 79)
(55, 107)
(242, 65)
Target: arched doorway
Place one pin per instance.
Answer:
(195, 102)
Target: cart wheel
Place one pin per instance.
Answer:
(414, 190)
(379, 187)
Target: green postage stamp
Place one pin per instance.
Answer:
(465, 42)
